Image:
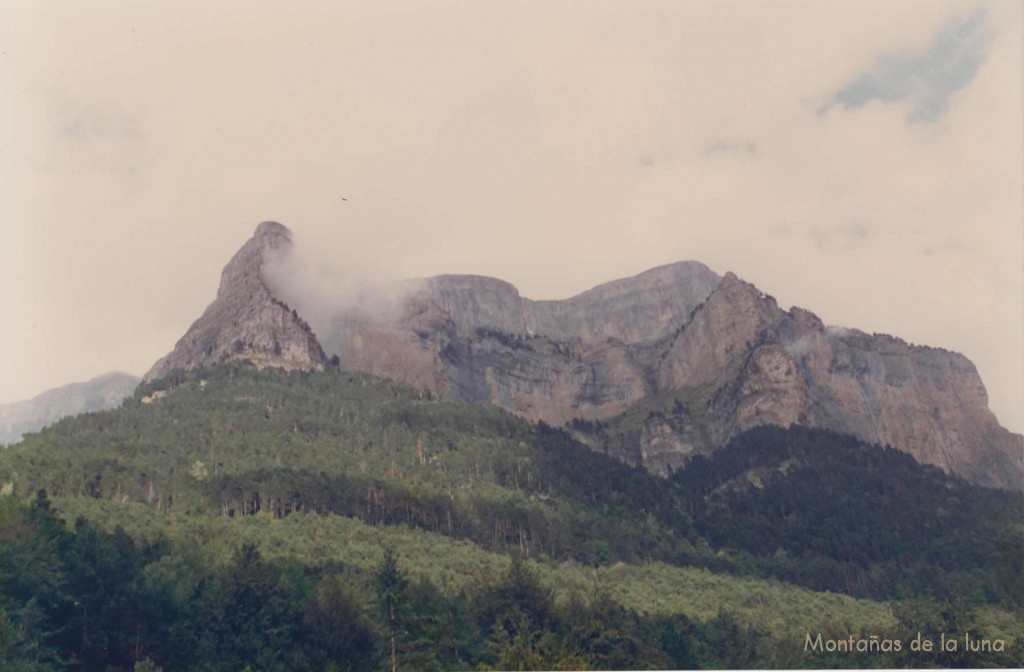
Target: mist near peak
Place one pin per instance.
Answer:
(837, 331)
(330, 285)
(803, 346)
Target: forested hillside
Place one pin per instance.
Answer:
(230, 518)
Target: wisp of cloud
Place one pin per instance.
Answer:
(330, 287)
(926, 80)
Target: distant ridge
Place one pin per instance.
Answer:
(98, 394)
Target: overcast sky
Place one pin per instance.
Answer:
(860, 159)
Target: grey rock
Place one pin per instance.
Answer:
(246, 321)
(98, 394)
(647, 344)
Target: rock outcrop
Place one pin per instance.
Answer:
(98, 394)
(246, 321)
(675, 361)
(761, 365)
(640, 309)
(476, 339)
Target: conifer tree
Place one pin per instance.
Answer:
(391, 584)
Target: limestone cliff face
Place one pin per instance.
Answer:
(680, 327)
(763, 366)
(642, 308)
(926, 401)
(474, 338)
(704, 357)
(711, 345)
(245, 321)
(543, 379)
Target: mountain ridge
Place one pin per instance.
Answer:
(96, 394)
(593, 356)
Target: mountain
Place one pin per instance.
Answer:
(675, 362)
(246, 321)
(98, 394)
(748, 363)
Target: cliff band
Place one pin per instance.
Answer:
(676, 361)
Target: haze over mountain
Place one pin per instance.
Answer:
(97, 394)
(704, 358)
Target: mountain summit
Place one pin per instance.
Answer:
(246, 321)
(653, 369)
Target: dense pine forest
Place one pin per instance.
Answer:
(233, 519)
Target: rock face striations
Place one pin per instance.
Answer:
(246, 321)
(476, 339)
(760, 365)
(652, 369)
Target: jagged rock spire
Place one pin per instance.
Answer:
(246, 321)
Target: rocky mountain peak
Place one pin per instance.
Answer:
(270, 233)
(478, 302)
(730, 279)
(273, 240)
(270, 242)
(246, 321)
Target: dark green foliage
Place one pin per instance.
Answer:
(610, 637)
(391, 586)
(72, 598)
(338, 631)
(32, 579)
(808, 507)
(248, 614)
(948, 619)
(723, 643)
(423, 629)
(505, 338)
(267, 441)
(108, 620)
(516, 605)
(89, 600)
(832, 513)
(176, 610)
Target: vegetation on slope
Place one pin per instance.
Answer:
(206, 479)
(832, 513)
(88, 599)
